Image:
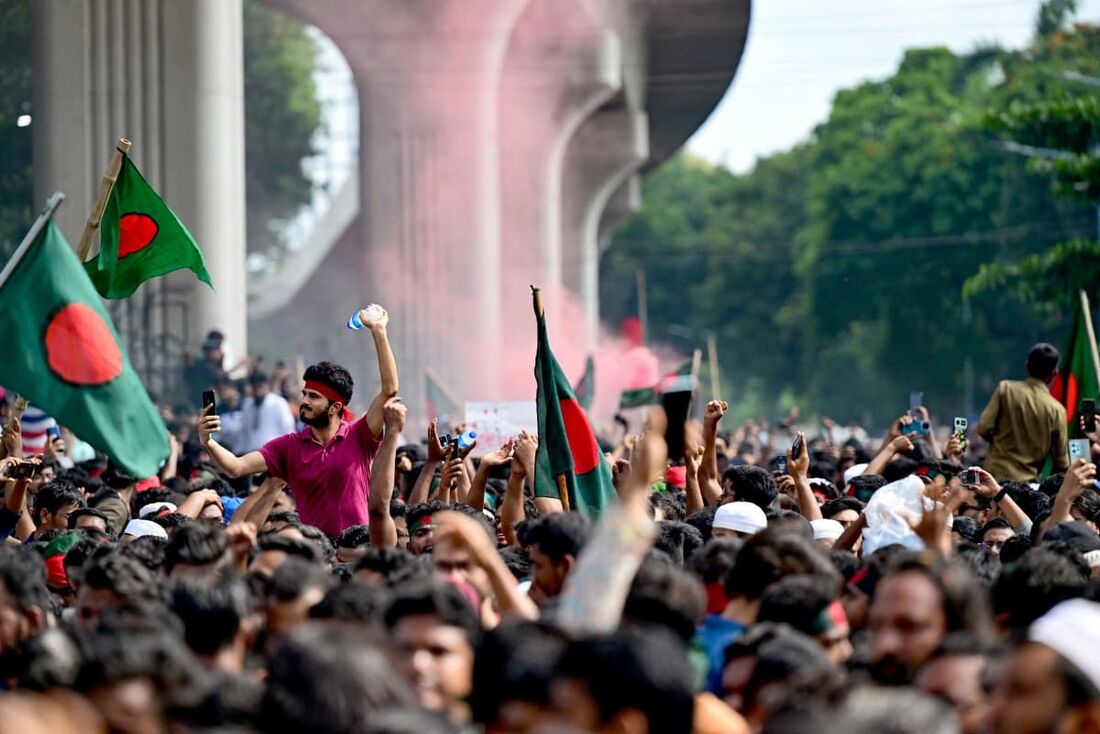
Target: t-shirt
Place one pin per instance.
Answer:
(330, 482)
(715, 635)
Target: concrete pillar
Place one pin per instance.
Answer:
(607, 149)
(428, 75)
(167, 75)
(559, 68)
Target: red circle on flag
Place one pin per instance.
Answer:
(135, 232)
(582, 442)
(80, 348)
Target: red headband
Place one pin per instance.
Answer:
(332, 395)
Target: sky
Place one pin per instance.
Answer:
(800, 52)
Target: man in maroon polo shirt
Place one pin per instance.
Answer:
(327, 464)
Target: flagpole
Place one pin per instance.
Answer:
(32, 234)
(106, 184)
(1085, 308)
(712, 360)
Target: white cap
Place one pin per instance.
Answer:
(741, 517)
(826, 529)
(155, 508)
(1072, 629)
(854, 471)
(141, 528)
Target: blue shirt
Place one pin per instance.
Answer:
(715, 635)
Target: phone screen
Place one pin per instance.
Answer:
(916, 399)
(1088, 410)
(208, 398)
(797, 447)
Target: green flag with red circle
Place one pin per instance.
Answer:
(64, 354)
(567, 445)
(140, 238)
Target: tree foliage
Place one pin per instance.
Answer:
(833, 273)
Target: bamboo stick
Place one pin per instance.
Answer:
(105, 185)
(563, 490)
(1086, 309)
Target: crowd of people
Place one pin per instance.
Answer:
(298, 568)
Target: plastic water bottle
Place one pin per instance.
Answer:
(466, 440)
(374, 312)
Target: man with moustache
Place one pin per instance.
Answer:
(327, 464)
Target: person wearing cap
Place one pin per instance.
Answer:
(738, 520)
(141, 528)
(826, 531)
(1052, 681)
(328, 463)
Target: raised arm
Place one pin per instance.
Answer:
(988, 487)
(233, 465)
(387, 370)
(500, 457)
(383, 532)
(1079, 477)
(693, 496)
(511, 507)
(423, 484)
(890, 449)
(800, 473)
(709, 482)
(257, 506)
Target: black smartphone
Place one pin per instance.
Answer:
(23, 470)
(781, 465)
(1088, 412)
(208, 399)
(797, 447)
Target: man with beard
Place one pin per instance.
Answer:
(327, 464)
(916, 605)
(264, 417)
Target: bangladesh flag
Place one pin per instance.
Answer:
(567, 445)
(140, 238)
(1076, 378)
(440, 402)
(64, 354)
(585, 389)
(680, 380)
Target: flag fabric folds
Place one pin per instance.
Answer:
(1076, 378)
(140, 238)
(569, 464)
(585, 389)
(679, 380)
(65, 355)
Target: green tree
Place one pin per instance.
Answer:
(282, 113)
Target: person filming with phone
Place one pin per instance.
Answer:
(1023, 422)
(327, 464)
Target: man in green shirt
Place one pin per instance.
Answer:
(1024, 424)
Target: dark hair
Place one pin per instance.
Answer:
(258, 377)
(670, 508)
(1088, 504)
(515, 662)
(772, 554)
(332, 376)
(211, 613)
(622, 671)
(354, 537)
(713, 562)
(1030, 587)
(678, 540)
(782, 654)
(197, 544)
(410, 721)
(54, 495)
(898, 469)
(294, 577)
(559, 535)
(1031, 502)
(358, 603)
(172, 520)
(397, 508)
(985, 566)
(414, 513)
(1014, 548)
(1042, 361)
(796, 601)
(968, 528)
(438, 599)
(663, 594)
(965, 602)
(294, 547)
(994, 524)
(865, 485)
(290, 517)
(703, 521)
(148, 550)
(87, 512)
(518, 562)
(752, 484)
(386, 560)
(834, 507)
(24, 578)
(123, 575)
(1052, 484)
(327, 680)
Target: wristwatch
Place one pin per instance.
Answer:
(1000, 495)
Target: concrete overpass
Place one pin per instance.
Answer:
(500, 143)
